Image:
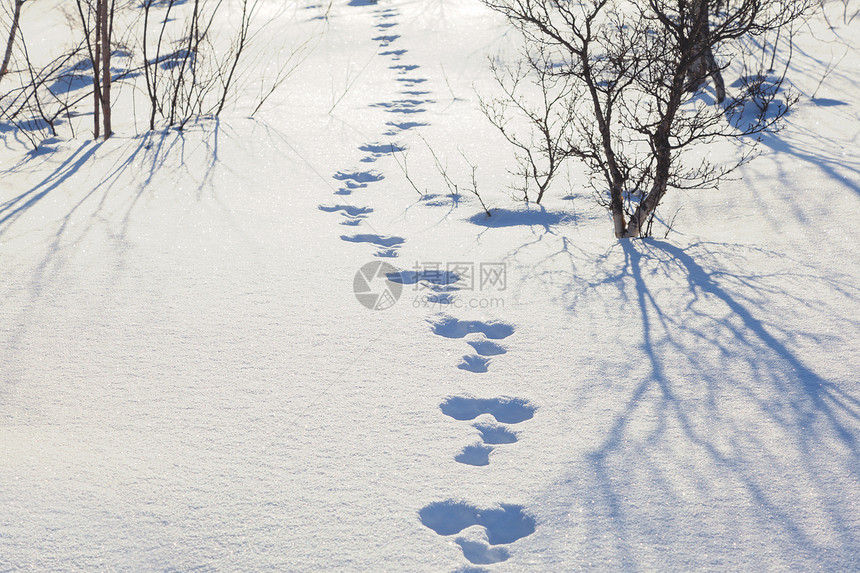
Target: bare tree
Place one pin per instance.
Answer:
(187, 76)
(32, 106)
(97, 22)
(189, 67)
(13, 30)
(636, 72)
(543, 151)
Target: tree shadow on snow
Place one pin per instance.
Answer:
(816, 151)
(530, 216)
(726, 429)
(137, 163)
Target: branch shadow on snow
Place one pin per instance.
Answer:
(130, 177)
(816, 151)
(723, 417)
(13, 208)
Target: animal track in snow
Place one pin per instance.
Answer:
(402, 106)
(432, 277)
(495, 435)
(387, 245)
(475, 364)
(395, 54)
(385, 40)
(350, 210)
(441, 283)
(474, 455)
(486, 347)
(504, 410)
(483, 348)
(352, 215)
(451, 327)
(403, 126)
(380, 149)
(377, 150)
(356, 180)
(503, 525)
(480, 553)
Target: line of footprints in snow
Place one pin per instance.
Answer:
(487, 530)
(497, 526)
(411, 104)
(484, 532)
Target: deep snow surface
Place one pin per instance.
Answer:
(187, 381)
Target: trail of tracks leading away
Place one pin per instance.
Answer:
(506, 523)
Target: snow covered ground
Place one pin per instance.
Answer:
(188, 381)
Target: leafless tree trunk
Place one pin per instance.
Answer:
(704, 64)
(16, 17)
(97, 33)
(97, 85)
(104, 29)
(94, 51)
(662, 150)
